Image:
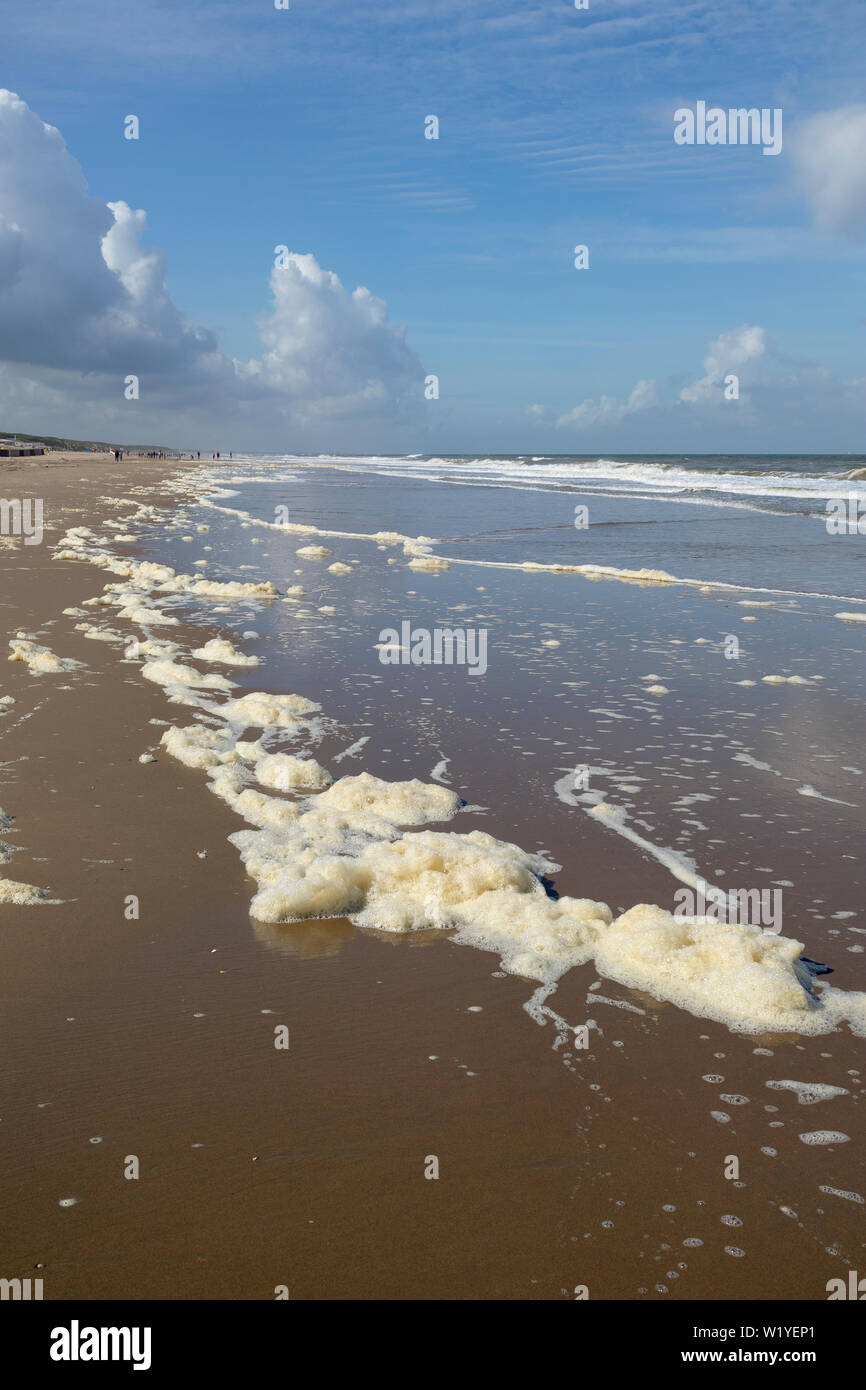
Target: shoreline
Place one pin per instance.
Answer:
(155, 1020)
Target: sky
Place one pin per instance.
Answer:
(282, 261)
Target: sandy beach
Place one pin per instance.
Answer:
(432, 673)
(145, 1043)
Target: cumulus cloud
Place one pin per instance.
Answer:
(728, 352)
(829, 154)
(610, 411)
(334, 353)
(83, 303)
(805, 395)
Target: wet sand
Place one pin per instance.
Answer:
(258, 1167)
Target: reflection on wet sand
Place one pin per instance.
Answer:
(305, 940)
(327, 936)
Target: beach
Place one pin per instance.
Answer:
(217, 1085)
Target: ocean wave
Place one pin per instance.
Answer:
(749, 478)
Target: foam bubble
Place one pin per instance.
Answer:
(824, 1136)
(173, 674)
(218, 649)
(429, 564)
(40, 661)
(285, 773)
(260, 711)
(21, 894)
(808, 1092)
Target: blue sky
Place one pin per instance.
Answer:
(305, 128)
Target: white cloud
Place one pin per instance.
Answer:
(608, 410)
(729, 351)
(829, 154)
(83, 304)
(805, 399)
(333, 353)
